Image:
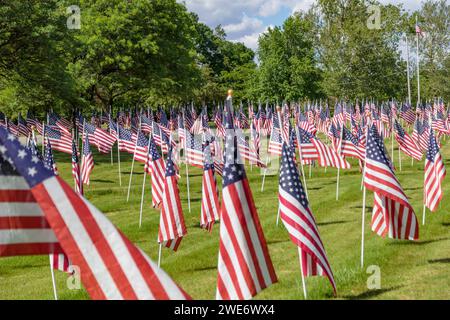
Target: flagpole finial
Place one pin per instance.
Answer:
(230, 92)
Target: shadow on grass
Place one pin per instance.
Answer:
(134, 172)
(277, 241)
(443, 260)
(368, 208)
(446, 224)
(205, 268)
(315, 188)
(416, 243)
(371, 293)
(327, 223)
(411, 189)
(102, 181)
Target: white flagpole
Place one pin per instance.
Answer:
(301, 271)
(418, 64)
(364, 205)
(159, 255)
(407, 69)
(55, 294)
(265, 170)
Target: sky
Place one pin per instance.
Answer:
(245, 20)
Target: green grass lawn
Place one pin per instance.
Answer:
(409, 270)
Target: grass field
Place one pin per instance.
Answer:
(409, 270)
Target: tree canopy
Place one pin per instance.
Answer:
(149, 53)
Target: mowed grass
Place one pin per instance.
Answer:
(409, 270)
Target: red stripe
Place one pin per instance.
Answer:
(16, 196)
(23, 223)
(22, 249)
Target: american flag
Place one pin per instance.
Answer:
(141, 147)
(306, 148)
(87, 161)
(407, 114)
(172, 228)
(244, 266)
(113, 267)
(247, 152)
(419, 136)
(299, 220)
(328, 157)
(406, 143)
(276, 138)
(32, 122)
(218, 121)
(48, 158)
(210, 194)
(78, 183)
(350, 145)
(392, 214)
(56, 122)
(22, 127)
(194, 150)
(146, 124)
(156, 168)
(125, 139)
(24, 229)
(103, 140)
(434, 175)
(59, 140)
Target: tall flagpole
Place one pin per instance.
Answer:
(407, 70)
(118, 153)
(339, 167)
(187, 168)
(363, 214)
(132, 162)
(417, 61)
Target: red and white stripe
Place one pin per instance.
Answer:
(156, 169)
(23, 228)
(87, 165)
(328, 157)
(172, 228)
(434, 176)
(112, 267)
(245, 267)
(60, 262)
(210, 200)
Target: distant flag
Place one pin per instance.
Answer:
(392, 214)
(306, 147)
(59, 139)
(141, 147)
(172, 228)
(48, 158)
(244, 266)
(419, 30)
(194, 150)
(434, 175)
(210, 194)
(406, 143)
(112, 266)
(87, 162)
(156, 168)
(328, 157)
(299, 220)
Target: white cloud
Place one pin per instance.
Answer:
(245, 20)
(245, 26)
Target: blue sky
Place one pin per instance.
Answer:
(245, 20)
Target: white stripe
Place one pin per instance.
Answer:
(17, 236)
(20, 209)
(13, 183)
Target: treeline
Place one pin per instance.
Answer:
(141, 53)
